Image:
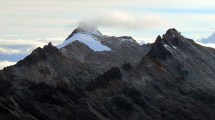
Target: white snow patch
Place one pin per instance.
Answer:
(174, 47)
(87, 39)
(96, 33)
(168, 48)
(130, 40)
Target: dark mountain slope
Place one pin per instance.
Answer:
(172, 79)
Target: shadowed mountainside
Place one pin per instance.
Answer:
(171, 79)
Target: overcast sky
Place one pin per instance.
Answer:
(27, 24)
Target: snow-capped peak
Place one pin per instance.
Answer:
(87, 39)
(86, 34)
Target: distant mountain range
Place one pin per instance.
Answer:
(91, 76)
(210, 39)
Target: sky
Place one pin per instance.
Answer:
(27, 24)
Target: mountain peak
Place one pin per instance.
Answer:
(164, 46)
(172, 31)
(158, 39)
(210, 39)
(86, 29)
(171, 34)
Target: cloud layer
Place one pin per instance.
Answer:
(19, 46)
(6, 63)
(12, 51)
(127, 21)
(43, 18)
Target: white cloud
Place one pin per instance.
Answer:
(10, 51)
(24, 47)
(20, 47)
(6, 63)
(128, 21)
(212, 45)
(39, 42)
(43, 18)
(14, 47)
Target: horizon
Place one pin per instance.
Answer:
(27, 24)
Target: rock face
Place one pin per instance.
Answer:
(171, 79)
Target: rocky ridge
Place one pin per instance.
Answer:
(173, 78)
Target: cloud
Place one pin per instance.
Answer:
(38, 42)
(212, 45)
(14, 50)
(19, 46)
(6, 63)
(43, 18)
(10, 51)
(128, 21)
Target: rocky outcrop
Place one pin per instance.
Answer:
(102, 80)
